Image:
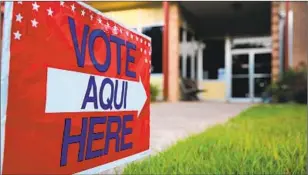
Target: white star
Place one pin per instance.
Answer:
(91, 17)
(35, 6)
(49, 11)
(126, 33)
(141, 49)
(99, 20)
(131, 36)
(120, 30)
(34, 23)
(145, 52)
(146, 60)
(149, 44)
(150, 52)
(73, 7)
(108, 25)
(115, 29)
(137, 38)
(19, 2)
(17, 35)
(83, 12)
(141, 40)
(62, 3)
(18, 17)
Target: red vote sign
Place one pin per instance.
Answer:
(74, 90)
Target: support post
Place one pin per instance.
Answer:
(201, 46)
(290, 38)
(184, 65)
(192, 67)
(184, 54)
(281, 44)
(165, 50)
(286, 60)
(171, 49)
(228, 67)
(192, 59)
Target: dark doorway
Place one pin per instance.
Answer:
(156, 34)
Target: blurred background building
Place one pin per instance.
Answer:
(233, 50)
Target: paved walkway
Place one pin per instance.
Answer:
(173, 121)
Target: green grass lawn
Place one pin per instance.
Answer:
(267, 139)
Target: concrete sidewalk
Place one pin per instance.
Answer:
(173, 121)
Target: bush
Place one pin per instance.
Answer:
(291, 87)
(154, 92)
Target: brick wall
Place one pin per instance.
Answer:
(300, 34)
(275, 39)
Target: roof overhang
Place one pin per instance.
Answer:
(106, 6)
(218, 19)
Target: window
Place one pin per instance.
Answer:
(156, 35)
(213, 58)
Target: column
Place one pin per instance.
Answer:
(290, 38)
(166, 50)
(192, 67)
(173, 53)
(228, 67)
(184, 54)
(184, 64)
(201, 46)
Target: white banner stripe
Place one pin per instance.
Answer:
(66, 91)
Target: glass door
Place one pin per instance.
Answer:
(261, 74)
(250, 75)
(240, 78)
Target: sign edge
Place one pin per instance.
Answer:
(5, 63)
(116, 163)
(110, 18)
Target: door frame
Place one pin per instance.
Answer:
(230, 42)
(251, 74)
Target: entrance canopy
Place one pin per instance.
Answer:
(114, 6)
(216, 19)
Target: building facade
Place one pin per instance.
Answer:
(233, 50)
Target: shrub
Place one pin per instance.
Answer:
(154, 92)
(292, 86)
